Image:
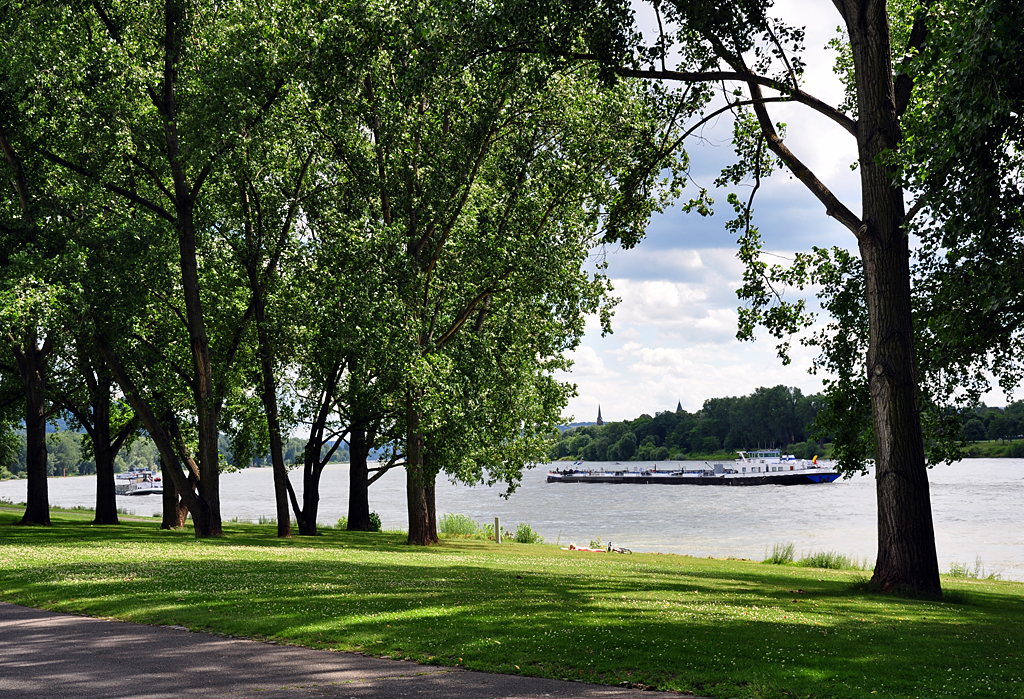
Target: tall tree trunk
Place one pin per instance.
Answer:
(419, 484)
(313, 463)
(284, 521)
(174, 510)
(358, 481)
(103, 448)
(32, 364)
(206, 515)
(269, 396)
(310, 498)
(203, 389)
(906, 539)
(106, 495)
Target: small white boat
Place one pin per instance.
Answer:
(138, 482)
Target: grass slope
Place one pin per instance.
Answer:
(713, 627)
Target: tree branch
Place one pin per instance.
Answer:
(714, 76)
(291, 496)
(124, 433)
(174, 309)
(115, 34)
(153, 176)
(19, 174)
(236, 343)
(208, 167)
(289, 219)
(833, 207)
(130, 196)
(462, 317)
(795, 94)
(915, 209)
(159, 353)
(904, 84)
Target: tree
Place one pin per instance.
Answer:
(740, 46)
(906, 542)
(999, 428)
(34, 211)
(624, 449)
(169, 92)
(64, 453)
(489, 188)
(963, 158)
(974, 430)
(270, 184)
(83, 387)
(10, 445)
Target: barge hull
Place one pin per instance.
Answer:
(753, 479)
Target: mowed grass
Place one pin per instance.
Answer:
(711, 627)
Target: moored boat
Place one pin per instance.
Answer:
(138, 482)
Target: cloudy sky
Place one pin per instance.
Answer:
(675, 329)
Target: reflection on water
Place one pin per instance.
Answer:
(976, 506)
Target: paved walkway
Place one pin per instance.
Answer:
(44, 655)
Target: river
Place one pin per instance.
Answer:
(976, 506)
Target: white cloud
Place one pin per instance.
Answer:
(652, 378)
(587, 363)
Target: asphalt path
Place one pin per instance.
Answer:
(44, 655)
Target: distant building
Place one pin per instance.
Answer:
(599, 420)
(679, 407)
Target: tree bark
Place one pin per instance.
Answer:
(32, 365)
(203, 391)
(207, 518)
(422, 511)
(310, 498)
(174, 510)
(106, 495)
(358, 481)
(419, 484)
(105, 446)
(906, 539)
(269, 396)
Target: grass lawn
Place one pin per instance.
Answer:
(714, 627)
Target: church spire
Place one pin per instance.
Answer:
(599, 420)
(679, 407)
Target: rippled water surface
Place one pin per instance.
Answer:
(977, 509)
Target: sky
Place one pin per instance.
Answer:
(674, 332)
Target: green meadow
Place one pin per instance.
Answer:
(721, 628)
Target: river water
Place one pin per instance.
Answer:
(976, 505)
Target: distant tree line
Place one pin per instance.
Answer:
(995, 423)
(779, 417)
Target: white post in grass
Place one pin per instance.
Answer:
(497, 531)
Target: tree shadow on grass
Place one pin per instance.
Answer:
(716, 627)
